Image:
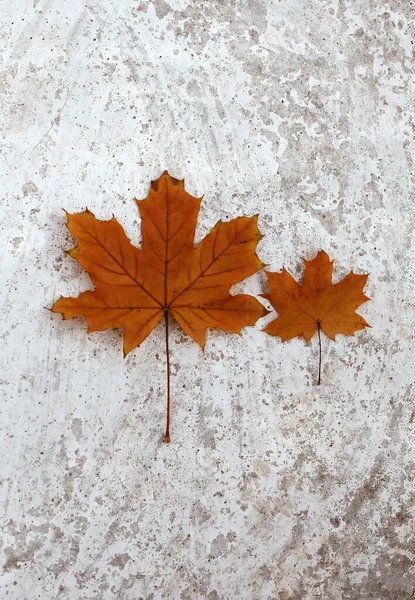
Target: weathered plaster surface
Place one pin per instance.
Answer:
(273, 488)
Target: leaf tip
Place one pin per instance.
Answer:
(323, 253)
(155, 185)
(126, 351)
(85, 212)
(166, 439)
(201, 342)
(73, 251)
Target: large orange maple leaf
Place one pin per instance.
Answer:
(316, 305)
(135, 289)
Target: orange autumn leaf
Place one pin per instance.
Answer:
(317, 304)
(134, 288)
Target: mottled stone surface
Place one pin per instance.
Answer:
(273, 488)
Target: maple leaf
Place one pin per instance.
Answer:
(316, 305)
(135, 289)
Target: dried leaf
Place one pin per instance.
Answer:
(135, 288)
(317, 304)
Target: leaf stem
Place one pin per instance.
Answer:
(319, 359)
(166, 320)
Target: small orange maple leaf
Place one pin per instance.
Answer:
(135, 288)
(316, 305)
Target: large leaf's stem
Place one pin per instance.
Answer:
(319, 359)
(166, 320)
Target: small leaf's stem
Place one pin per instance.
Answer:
(319, 359)
(166, 320)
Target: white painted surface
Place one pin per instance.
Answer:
(273, 488)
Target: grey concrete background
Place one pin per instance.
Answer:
(272, 488)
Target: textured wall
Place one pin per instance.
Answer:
(273, 488)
